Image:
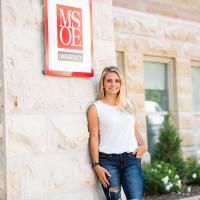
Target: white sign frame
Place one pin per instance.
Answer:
(68, 38)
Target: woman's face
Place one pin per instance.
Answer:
(112, 83)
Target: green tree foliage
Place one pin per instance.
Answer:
(168, 149)
(193, 171)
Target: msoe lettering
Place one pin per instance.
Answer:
(69, 27)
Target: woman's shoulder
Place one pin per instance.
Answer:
(92, 110)
(93, 106)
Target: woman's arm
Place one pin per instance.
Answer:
(142, 146)
(93, 127)
(94, 133)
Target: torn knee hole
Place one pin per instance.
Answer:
(114, 189)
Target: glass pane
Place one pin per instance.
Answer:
(155, 83)
(196, 104)
(155, 76)
(156, 99)
(196, 88)
(158, 96)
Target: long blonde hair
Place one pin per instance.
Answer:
(121, 101)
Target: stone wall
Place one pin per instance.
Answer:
(45, 117)
(191, 4)
(140, 34)
(180, 9)
(2, 167)
(43, 126)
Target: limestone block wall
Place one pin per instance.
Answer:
(46, 136)
(194, 4)
(2, 166)
(181, 9)
(140, 34)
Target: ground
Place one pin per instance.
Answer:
(195, 190)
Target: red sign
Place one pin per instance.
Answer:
(68, 34)
(69, 27)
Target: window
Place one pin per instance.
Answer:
(196, 89)
(158, 92)
(120, 60)
(155, 83)
(196, 100)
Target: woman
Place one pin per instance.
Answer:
(116, 146)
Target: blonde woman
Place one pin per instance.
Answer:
(116, 146)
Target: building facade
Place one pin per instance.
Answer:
(43, 125)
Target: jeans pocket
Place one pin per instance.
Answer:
(130, 155)
(133, 156)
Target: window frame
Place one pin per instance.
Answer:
(194, 64)
(170, 77)
(120, 61)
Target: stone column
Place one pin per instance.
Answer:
(2, 136)
(135, 86)
(134, 73)
(184, 105)
(45, 117)
(104, 51)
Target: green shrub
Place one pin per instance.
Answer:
(160, 177)
(168, 149)
(193, 172)
(168, 172)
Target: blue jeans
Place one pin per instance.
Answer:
(126, 171)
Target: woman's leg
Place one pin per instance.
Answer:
(132, 179)
(110, 163)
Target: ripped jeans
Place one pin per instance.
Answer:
(126, 171)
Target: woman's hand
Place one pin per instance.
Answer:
(102, 173)
(140, 151)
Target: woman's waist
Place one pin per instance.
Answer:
(117, 154)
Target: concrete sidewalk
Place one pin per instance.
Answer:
(191, 198)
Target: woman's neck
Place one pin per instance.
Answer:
(111, 100)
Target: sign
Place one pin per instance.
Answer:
(68, 37)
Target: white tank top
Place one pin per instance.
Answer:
(116, 129)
